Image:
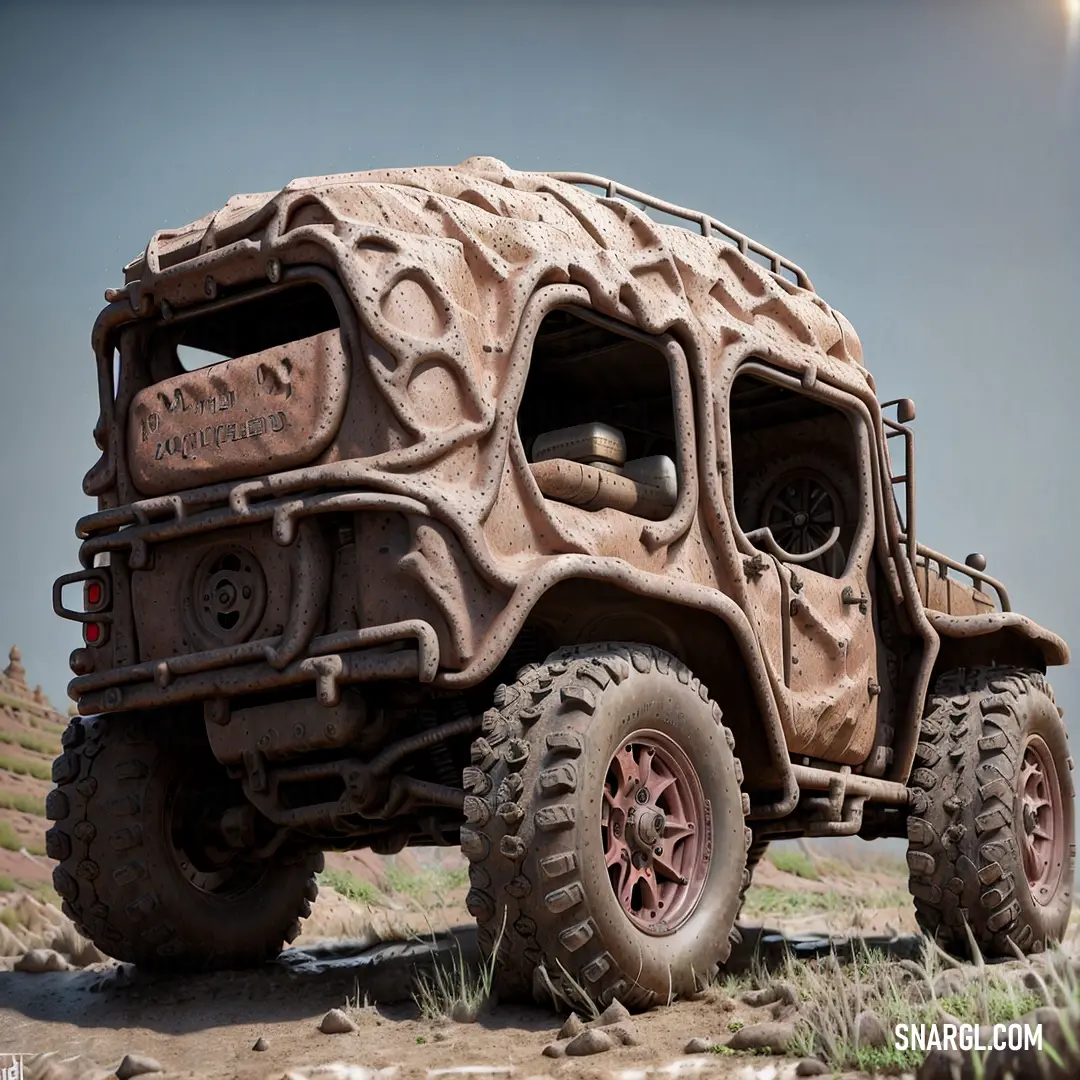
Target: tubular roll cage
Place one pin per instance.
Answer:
(705, 222)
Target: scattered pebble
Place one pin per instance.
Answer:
(758, 998)
(136, 1065)
(869, 1030)
(950, 982)
(335, 1022)
(615, 1013)
(463, 1013)
(572, 1026)
(622, 1034)
(699, 1046)
(261, 1044)
(811, 1067)
(39, 961)
(771, 1035)
(591, 1041)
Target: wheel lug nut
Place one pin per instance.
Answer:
(642, 795)
(658, 851)
(638, 859)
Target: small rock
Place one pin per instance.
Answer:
(949, 983)
(39, 961)
(869, 1030)
(136, 1065)
(571, 1026)
(811, 1067)
(615, 1013)
(463, 1013)
(758, 998)
(699, 1046)
(788, 994)
(768, 1036)
(622, 1034)
(1060, 1030)
(591, 1041)
(728, 1004)
(556, 1049)
(782, 1010)
(946, 1065)
(335, 1022)
(261, 1044)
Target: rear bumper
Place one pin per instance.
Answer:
(333, 660)
(404, 649)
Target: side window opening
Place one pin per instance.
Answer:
(796, 473)
(597, 419)
(291, 315)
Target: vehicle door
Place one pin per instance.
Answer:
(801, 501)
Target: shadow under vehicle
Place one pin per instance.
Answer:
(467, 505)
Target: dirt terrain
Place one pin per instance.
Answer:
(391, 946)
(207, 1025)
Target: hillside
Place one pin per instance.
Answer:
(30, 730)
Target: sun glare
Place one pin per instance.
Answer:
(1072, 22)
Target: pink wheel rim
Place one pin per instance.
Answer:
(656, 832)
(1041, 825)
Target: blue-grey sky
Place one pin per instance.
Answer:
(920, 159)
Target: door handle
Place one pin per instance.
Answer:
(848, 597)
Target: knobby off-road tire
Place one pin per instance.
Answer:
(987, 735)
(536, 837)
(754, 854)
(125, 875)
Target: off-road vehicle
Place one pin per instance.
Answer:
(467, 505)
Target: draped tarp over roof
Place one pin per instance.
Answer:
(477, 240)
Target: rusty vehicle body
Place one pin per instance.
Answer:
(459, 422)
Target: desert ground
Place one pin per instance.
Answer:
(385, 980)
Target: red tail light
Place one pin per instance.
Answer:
(92, 633)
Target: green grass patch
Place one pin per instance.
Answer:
(353, 888)
(428, 887)
(29, 741)
(455, 989)
(793, 861)
(26, 804)
(11, 840)
(768, 900)
(7, 884)
(40, 770)
(901, 992)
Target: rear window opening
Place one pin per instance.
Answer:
(249, 325)
(250, 383)
(597, 419)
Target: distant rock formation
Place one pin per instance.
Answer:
(13, 684)
(15, 672)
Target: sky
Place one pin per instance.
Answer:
(920, 159)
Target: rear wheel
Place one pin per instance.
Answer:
(145, 871)
(990, 837)
(605, 829)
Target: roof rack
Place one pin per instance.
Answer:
(708, 225)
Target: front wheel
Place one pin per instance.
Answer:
(991, 845)
(605, 829)
(143, 872)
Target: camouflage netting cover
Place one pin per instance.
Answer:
(443, 266)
